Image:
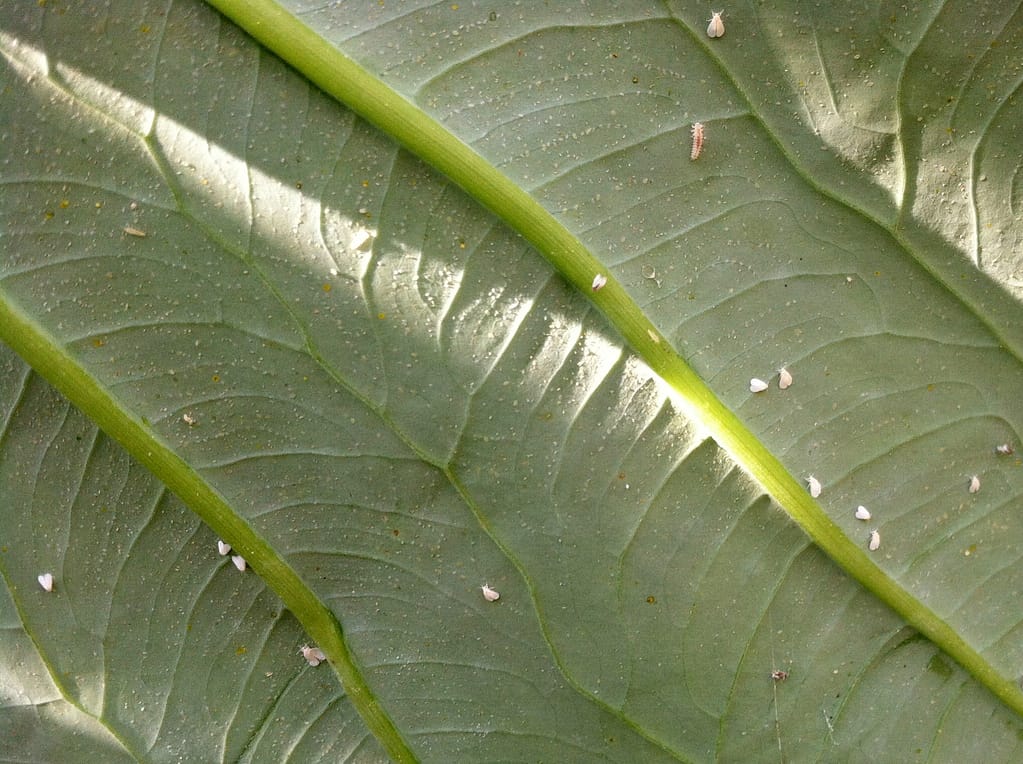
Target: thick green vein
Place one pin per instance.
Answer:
(43, 353)
(333, 72)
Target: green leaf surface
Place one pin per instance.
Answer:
(368, 355)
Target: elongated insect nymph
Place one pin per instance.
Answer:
(697, 141)
(716, 28)
(489, 594)
(814, 486)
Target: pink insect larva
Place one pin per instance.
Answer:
(697, 141)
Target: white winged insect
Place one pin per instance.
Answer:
(814, 486)
(313, 655)
(46, 581)
(716, 28)
(490, 595)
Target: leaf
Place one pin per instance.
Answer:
(384, 398)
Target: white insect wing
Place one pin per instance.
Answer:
(757, 385)
(313, 655)
(239, 561)
(862, 513)
(814, 486)
(46, 581)
(716, 28)
(489, 594)
(224, 548)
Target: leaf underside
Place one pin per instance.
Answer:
(401, 400)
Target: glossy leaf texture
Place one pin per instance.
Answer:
(402, 401)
